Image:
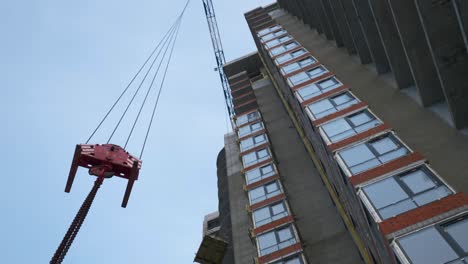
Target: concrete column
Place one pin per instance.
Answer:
(392, 43)
(343, 26)
(417, 51)
(312, 17)
(447, 46)
(320, 11)
(372, 37)
(356, 32)
(329, 13)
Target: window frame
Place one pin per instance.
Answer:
(255, 144)
(277, 41)
(298, 63)
(320, 88)
(396, 140)
(262, 176)
(294, 238)
(370, 205)
(291, 56)
(283, 45)
(262, 127)
(266, 195)
(271, 217)
(291, 84)
(312, 116)
(249, 119)
(268, 30)
(283, 260)
(403, 257)
(346, 118)
(273, 35)
(258, 160)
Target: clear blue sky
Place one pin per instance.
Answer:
(62, 63)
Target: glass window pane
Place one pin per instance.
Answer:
(285, 234)
(393, 155)
(272, 187)
(367, 126)
(427, 247)
(342, 98)
(365, 166)
(291, 67)
(298, 78)
(262, 153)
(295, 260)
(385, 192)
(256, 193)
(320, 106)
(396, 209)
(356, 155)
(359, 118)
(418, 181)
(267, 169)
(384, 145)
(261, 214)
(249, 158)
(336, 127)
(314, 72)
(459, 232)
(432, 195)
(267, 240)
(308, 91)
(329, 84)
(278, 208)
(256, 126)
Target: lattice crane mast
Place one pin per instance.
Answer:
(219, 54)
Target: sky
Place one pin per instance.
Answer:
(62, 64)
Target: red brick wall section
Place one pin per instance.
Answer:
(348, 141)
(273, 225)
(268, 201)
(261, 182)
(422, 213)
(280, 253)
(386, 168)
(345, 111)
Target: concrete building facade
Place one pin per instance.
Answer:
(350, 136)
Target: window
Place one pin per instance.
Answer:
(255, 157)
(264, 192)
(213, 223)
(250, 129)
(276, 240)
(441, 243)
(350, 125)
(277, 41)
(298, 65)
(260, 173)
(373, 153)
(297, 259)
(283, 48)
(252, 142)
(243, 119)
(273, 35)
(306, 75)
(269, 213)
(395, 195)
(314, 89)
(331, 105)
(289, 56)
(268, 30)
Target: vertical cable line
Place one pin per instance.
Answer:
(161, 86)
(129, 84)
(150, 88)
(142, 81)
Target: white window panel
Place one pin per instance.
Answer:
(260, 173)
(331, 105)
(255, 157)
(276, 239)
(253, 142)
(373, 153)
(348, 126)
(284, 48)
(267, 30)
(264, 192)
(269, 213)
(244, 119)
(289, 56)
(314, 89)
(250, 129)
(297, 65)
(277, 41)
(306, 75)
(272, 35)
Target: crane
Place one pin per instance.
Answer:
(219, 54)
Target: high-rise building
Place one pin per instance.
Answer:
(350, 141)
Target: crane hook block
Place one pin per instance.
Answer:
(114, 159)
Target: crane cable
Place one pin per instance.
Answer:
(168, 41)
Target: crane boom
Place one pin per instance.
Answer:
(219, 54)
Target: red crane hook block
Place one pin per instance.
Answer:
(105, 160)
